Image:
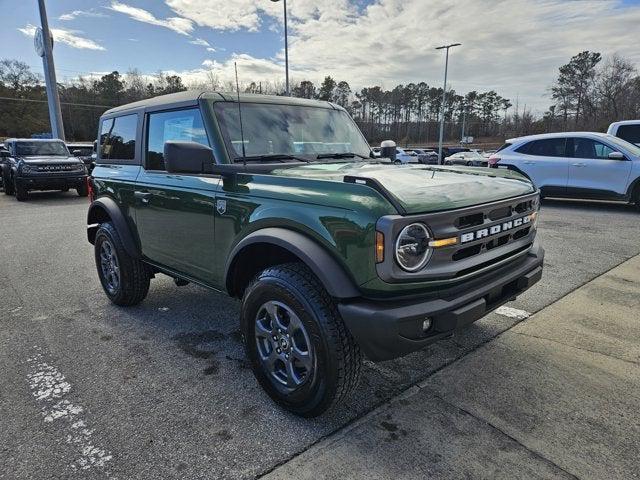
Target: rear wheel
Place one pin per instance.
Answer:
(447, 162)
(8, 184)
(300, 350)
(124, 279)
(469, 164)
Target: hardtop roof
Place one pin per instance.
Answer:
(195, 95)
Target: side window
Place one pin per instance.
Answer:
(118, 137)
(550, 147)
(587, 148)
(630, 133)
(183, 125)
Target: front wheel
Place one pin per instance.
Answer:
(20, 191)
(124, 279)
(82, 190)
(300, 349)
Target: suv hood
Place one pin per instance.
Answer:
(41, 160)
(422, 188)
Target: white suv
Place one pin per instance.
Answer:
(575, 165)
(628, 130)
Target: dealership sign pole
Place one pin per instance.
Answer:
(44, 43)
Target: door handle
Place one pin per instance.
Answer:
(143, 196)
(529, 163)
(579, 164)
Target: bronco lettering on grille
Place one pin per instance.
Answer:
(494, 229)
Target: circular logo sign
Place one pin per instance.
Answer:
(38, 42)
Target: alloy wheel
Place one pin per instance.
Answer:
(110, 267)
(284, 347)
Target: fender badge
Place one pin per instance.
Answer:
(221, 206)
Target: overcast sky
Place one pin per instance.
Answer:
(513, 46)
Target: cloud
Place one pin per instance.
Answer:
(211, 49)
(180, 25)
(201, 42)
(389, 42)
(80, 13)
(68, 37)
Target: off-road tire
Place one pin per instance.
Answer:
(134, 276)
(337, 357)
(20, 192)
(7, 182)
(82, 190)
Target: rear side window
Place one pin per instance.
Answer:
(506, 145)
(118, 138)
(550, 147)
(181, 125)
(630, 133)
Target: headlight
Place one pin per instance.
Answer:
(412, 247)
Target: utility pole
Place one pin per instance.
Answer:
(464, 120)
(444, 98)
(44, 44)
(286, 48)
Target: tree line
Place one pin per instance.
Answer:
(588, 94)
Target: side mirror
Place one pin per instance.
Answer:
(188, 157)
(388, 150)
(77, 153)
(617, 156)
(4, 153)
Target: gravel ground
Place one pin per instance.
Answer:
(162, 390)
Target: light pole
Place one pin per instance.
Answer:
(43, 44)
(286, 48)
(444, 97)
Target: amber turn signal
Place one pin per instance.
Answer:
(379, 247)
(444, 242)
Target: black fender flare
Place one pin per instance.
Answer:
(111, 208)
(331, 274)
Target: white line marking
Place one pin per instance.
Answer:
(512, 313)
(49, 387)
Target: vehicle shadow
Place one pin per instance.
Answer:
(594, 205)
(53, 197)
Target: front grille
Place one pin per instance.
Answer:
(487, 235)
(55, 168)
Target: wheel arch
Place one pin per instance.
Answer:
(274, 245)
(634, 187)
(107, 210)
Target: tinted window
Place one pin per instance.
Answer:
(181, 125)
(630, 133)
(32, 149)
(288, 129)
(551, 147)
(118, 138)
(587, 148)
(503, 147)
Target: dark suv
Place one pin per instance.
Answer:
(29, 164)
(335, 254)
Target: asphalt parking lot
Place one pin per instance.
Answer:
(161, 390)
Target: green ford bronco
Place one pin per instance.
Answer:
(334, 253)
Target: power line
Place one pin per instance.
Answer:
(63, 103)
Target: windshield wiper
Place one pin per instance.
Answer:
(339, 155)
(282, 157)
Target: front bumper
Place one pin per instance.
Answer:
(386, 330)
(52, 182)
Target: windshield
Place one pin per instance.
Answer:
(289, 130)
(32, 149)
(629, 147)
